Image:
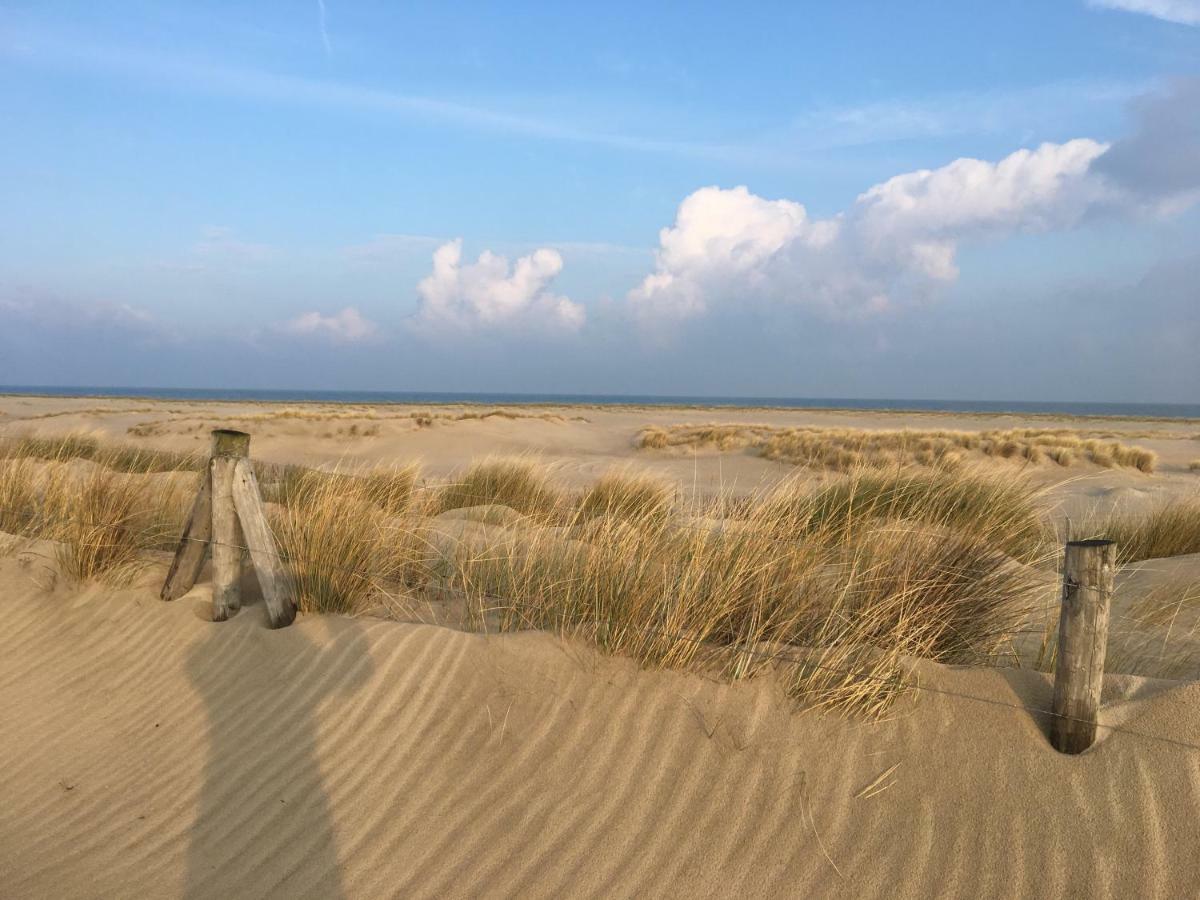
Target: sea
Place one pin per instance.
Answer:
(1049, 407)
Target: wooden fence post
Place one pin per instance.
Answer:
(228, 516)
(227, 448)
(193, 544)
(273, 575)
(1088, 571)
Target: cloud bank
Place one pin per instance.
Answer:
(897, 244)
(490, 295)
(1182, 12)
(345, 327)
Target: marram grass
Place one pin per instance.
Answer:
(845, 581)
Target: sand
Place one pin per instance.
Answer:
(581, 441)
(147, 752)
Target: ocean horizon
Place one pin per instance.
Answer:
(1036, 407)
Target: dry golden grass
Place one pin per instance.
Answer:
(844, 449)
(522, 484)
(102, 518)
(972, 501)
(365, 421)
(114, 456)
(629, 496)
(393, 489)
(847, 580)
(342, 543)
(1157, 637)
(868, 585)
(20, 503)
(1194, 465)
(1171, 528)
(105, 522)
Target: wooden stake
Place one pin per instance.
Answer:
(227, 448)
(1088, 572)
(193, 544)
(273, 577)
(228, 516)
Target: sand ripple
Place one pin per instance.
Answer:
(145, 752)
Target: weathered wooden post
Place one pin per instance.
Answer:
(227, 448)
(227, 517)
(273, 576)
(1088, 572)
(193, 544)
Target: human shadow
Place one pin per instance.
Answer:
(263, 824)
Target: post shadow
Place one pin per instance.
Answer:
(263, 822)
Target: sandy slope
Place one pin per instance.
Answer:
(147, 752)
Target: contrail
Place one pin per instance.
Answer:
(324, 33)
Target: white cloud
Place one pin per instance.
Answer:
(489, 294)
(895, 244)
(325, 42)
(1183, 12)
(347, 326)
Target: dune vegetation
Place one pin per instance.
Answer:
(118, 457)
(102, 514)
(1171, 528)
(365, 421)
(844, 449)
(845, 579)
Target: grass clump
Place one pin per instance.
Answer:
(976, 502)
(104, 521)
(118, 457)
(845, 581)
(1170, 528)
(844, 578)
(844, 449)
(628, 496)
(342, 543)
(521, 484)
(394, 489)
(20, 503)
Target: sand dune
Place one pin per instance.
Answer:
(148, 752)
(582, 441)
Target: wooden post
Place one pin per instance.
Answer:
(273, 576)
(228, 516)
(1088, 571)
(227, 448)
(193, 544)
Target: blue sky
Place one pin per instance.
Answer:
(936, 196)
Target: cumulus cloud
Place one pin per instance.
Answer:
(347, 326)
(1183, 12)
(491, 294)
(897, 241)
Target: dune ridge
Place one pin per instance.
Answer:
(148, 752)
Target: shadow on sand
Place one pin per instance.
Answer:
(263, 824)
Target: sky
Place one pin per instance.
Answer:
(928, 200)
